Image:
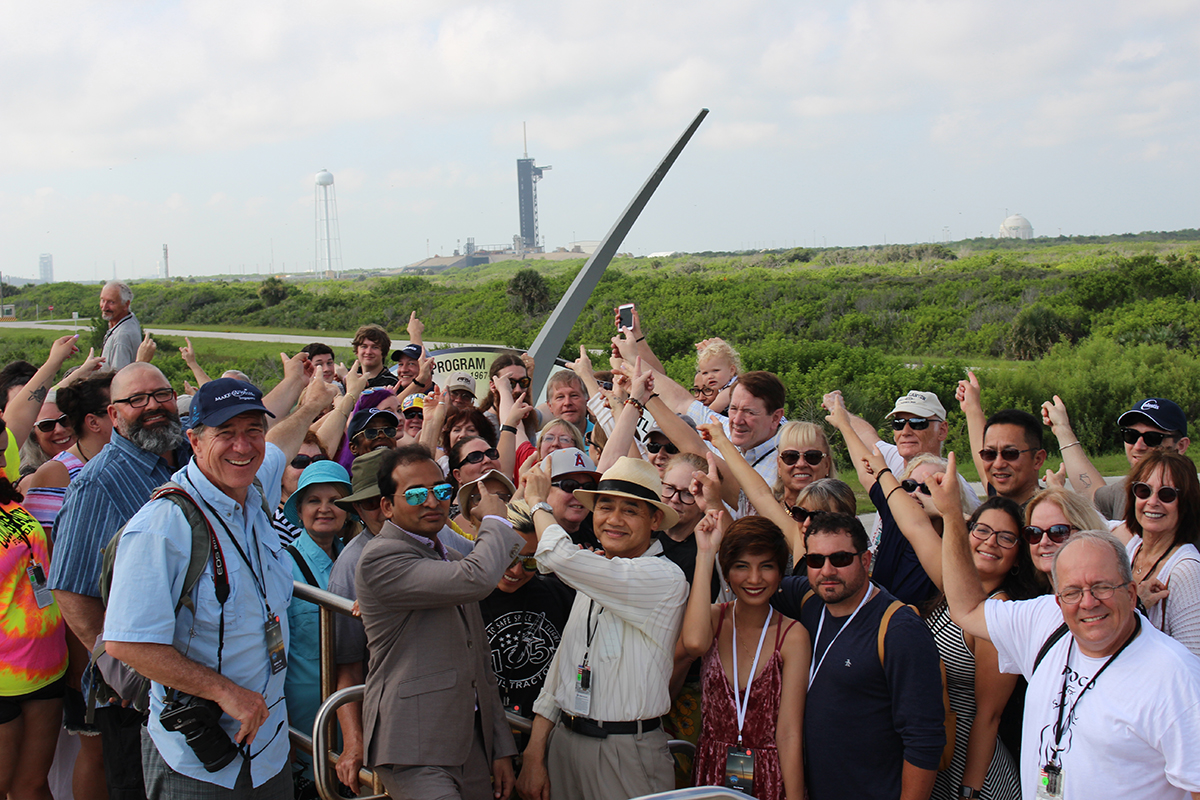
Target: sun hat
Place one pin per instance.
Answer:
(364, 479)
(325, 471)
(632, 478)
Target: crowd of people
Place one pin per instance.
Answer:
(632, 561)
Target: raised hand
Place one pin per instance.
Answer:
(967, 393)
(943, 487)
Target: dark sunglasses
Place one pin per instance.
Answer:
(811, 457)
(1057, 533)
(910, 486)
(570, 485)
(800, 514)
(416, 497)
(916, 424)
(302, 461)
(528, 563)
(839, 560)
(1010, 454)
(371, 434)
(1151, 438)
(480, 455)
(414, 413)
(1166, 494)
(656, 447)
(520, 383)
(47, 425)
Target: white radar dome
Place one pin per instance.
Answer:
(325, 178)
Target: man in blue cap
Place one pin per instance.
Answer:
(218, 669)
(1154, 423)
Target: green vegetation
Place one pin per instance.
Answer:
(1100, 324)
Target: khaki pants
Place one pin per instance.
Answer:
(617, 768)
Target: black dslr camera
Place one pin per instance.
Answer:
(199, 721)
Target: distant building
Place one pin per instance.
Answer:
(46, 268)
(1016, 227)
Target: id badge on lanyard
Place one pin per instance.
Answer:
(1050, 782)
(41, 592)
(739, 770)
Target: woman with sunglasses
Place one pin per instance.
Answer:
(1162, 517)
(752, 698)
(804, 456)
(460, 424)
(1051, 517)
(469, 459)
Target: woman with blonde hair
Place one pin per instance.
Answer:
(803, 456)
(1051, 517)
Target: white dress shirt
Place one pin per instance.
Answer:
(633, 647)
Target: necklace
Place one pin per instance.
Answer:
(1154, 568)
(79, 446)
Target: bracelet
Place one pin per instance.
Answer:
(967, 793)
(888, 499)
(640, 339)
(1062, 447)
(887, 470)
(507, 429)
(651, 397)
(418, 383)
(634, 400)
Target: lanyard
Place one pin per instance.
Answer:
(759, 460)
(812, 671)
(253, 575)
(591, 632)
(1059, 728)
(741, 705)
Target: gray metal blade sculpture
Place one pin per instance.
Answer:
(553, 335)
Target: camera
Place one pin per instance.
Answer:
(199, 721)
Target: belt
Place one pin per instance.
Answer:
(601, 730)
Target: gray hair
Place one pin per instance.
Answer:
(123, 289)
(1102, 538)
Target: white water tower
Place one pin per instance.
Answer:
(329, 246)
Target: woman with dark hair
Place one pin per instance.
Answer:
(33, 651)
(85, 406)
(982, 765)
(754, 704)
(461, 423)
(1162, 518)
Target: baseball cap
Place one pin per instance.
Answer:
(412, 401)
(1161, 412)
(411, 350)
(570, 460)
(221, 400)
(464, 381)
(923, 404)
(359, 421)
(656, 428)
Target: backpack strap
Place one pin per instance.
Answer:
(204, 542)
(892, 608)
(303, 565)
(1050, 642)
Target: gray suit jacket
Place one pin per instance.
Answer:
(429, 658)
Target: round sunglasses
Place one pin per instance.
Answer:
(811, 457)
(1057, 533)
(1166, 494)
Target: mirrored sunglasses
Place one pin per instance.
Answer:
(418, 496)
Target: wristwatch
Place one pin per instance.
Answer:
(967, 793)
(542, 506)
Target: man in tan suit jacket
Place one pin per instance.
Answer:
(433, 724)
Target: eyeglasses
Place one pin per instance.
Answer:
(48, 425)
(480, 455)
(1073, 595)
(685, 497)
(1057, 533)
(370, 504)
(1166, 494)
(161, 396)
(839, 560)
(570, 485)
(1151, 438)
(416, 497)
(520, 383)
(800, 514)
(302, 461)
(811, 457)
(917, 424)
(528, 563)
(656, 447)
(1006, 539)
(704, 391)
(371, 434)
(989, 454)
(414, 413)
(910, 486)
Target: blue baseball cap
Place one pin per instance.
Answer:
(1160, 412)
(317, 472)
(221, 400)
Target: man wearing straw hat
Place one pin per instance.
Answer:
(597, 734)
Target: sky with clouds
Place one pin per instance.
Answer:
(201, 124)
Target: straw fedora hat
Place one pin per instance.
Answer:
(635, 479)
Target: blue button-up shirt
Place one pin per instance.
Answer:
(110, 488)
(303, 687)
(148, 579)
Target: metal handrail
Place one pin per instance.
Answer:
(322, 742)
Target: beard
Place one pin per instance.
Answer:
(162, 438)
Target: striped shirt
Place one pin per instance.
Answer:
(108, 491)
(44, 502)
(636, 610)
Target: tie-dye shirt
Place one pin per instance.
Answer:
(33, 645)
